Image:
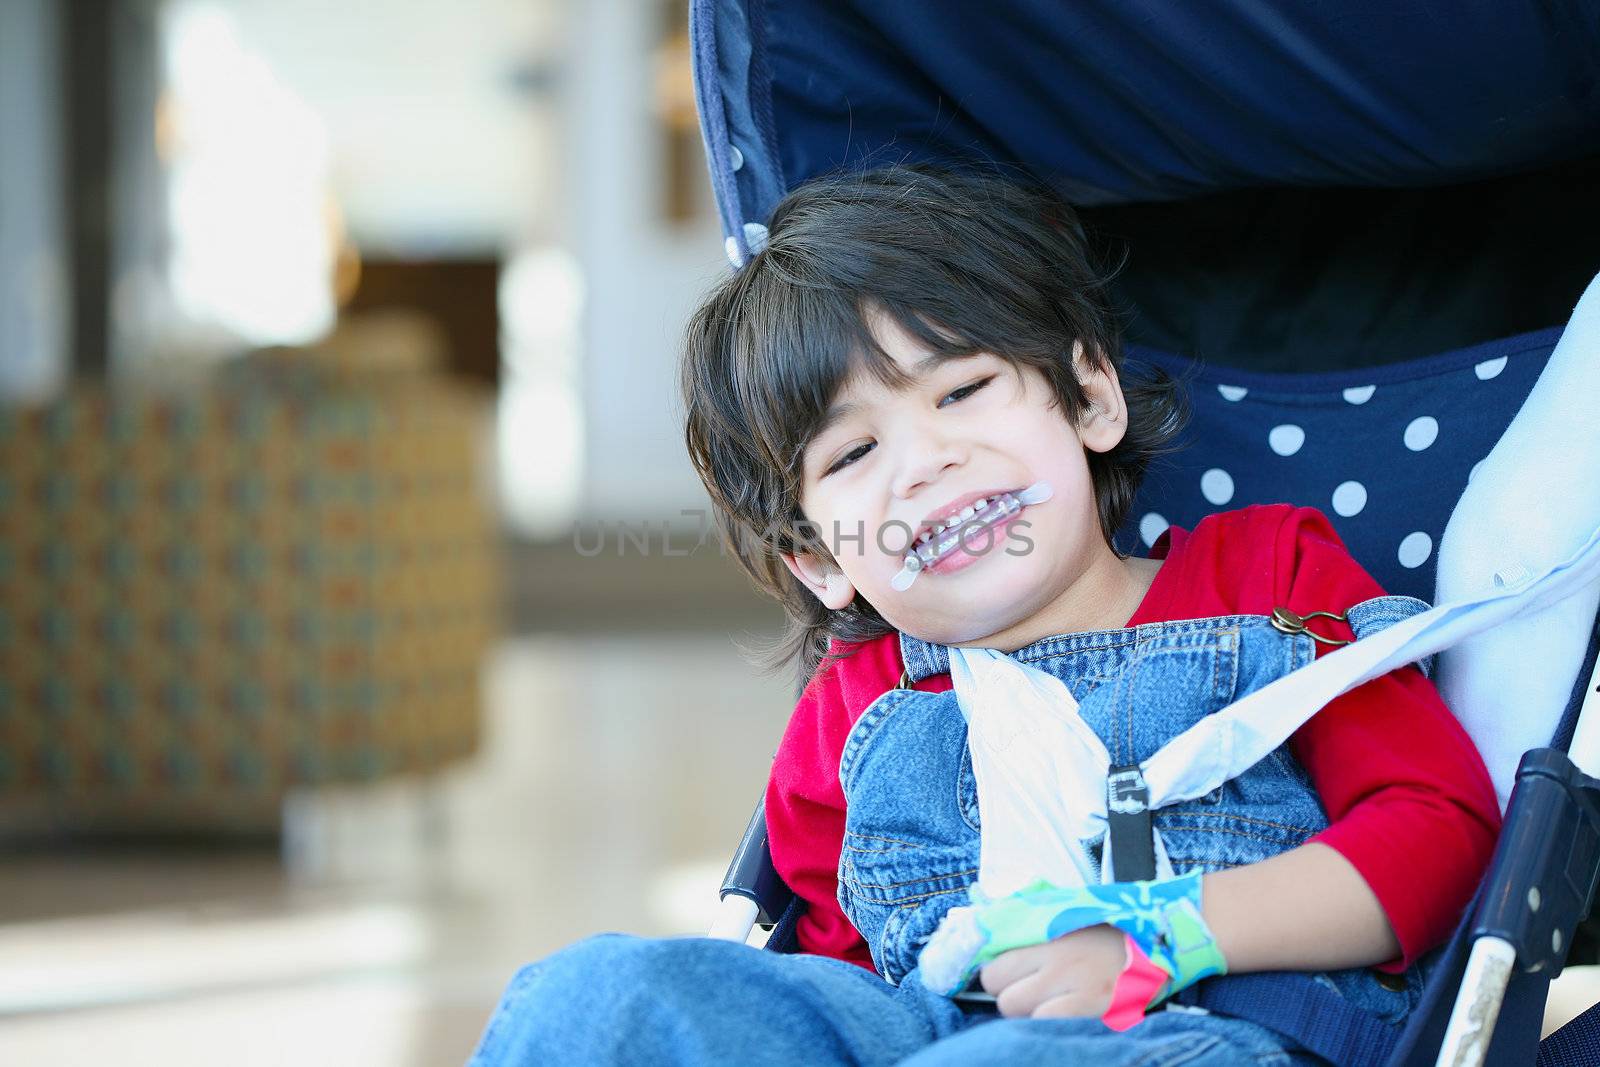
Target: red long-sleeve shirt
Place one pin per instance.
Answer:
(1409, 802)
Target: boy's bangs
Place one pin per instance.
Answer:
(800, 355)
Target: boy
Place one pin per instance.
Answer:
(909, 414)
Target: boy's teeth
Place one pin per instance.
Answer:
(928, 551)
(931, 545)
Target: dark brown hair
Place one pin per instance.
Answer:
(966, 261)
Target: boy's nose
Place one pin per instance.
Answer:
(926, 462)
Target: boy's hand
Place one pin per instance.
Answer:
(1072, 975)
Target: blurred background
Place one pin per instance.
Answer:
(354, 643)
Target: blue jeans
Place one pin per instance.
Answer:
(616, 999)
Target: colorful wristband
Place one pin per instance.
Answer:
(1162, 919)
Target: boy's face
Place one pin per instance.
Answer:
(971, 426)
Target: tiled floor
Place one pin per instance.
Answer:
(616, 774)
(615, 778)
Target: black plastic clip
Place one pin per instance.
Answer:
(1130, 834)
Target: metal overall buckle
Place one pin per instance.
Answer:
(1286, 621)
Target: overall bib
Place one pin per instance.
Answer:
(911, 846)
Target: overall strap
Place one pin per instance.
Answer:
(1382, 612)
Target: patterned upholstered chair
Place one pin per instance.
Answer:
(283, 578)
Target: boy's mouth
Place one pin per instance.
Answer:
(945, 538)
(960, 510)
(941, 539)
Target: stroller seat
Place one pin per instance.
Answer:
(1231, 156)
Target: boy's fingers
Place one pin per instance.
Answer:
(1066, 1006)
(1021, 997)
(1045, 994)
(1010, 967)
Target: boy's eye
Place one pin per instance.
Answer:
(966, 391)
(861, 450)
(849, 458)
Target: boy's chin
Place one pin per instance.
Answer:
(963, 630)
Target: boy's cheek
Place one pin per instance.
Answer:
(849, 541)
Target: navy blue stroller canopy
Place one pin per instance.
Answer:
(1300, 186)
(1358, 226)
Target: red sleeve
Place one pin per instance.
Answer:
(805, 803)
(1409, 801)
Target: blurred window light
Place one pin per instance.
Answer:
(541, 426)
(541, 298)
(254, 228)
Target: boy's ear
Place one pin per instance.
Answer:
(1104, 421)
(828, 583)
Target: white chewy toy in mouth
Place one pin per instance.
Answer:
(946, 538)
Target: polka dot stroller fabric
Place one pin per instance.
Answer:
(1385, 452)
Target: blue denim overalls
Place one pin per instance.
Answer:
(911, 844)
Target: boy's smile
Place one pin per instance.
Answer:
(889, 467)
(966, 530)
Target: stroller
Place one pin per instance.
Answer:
(1365, 225)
